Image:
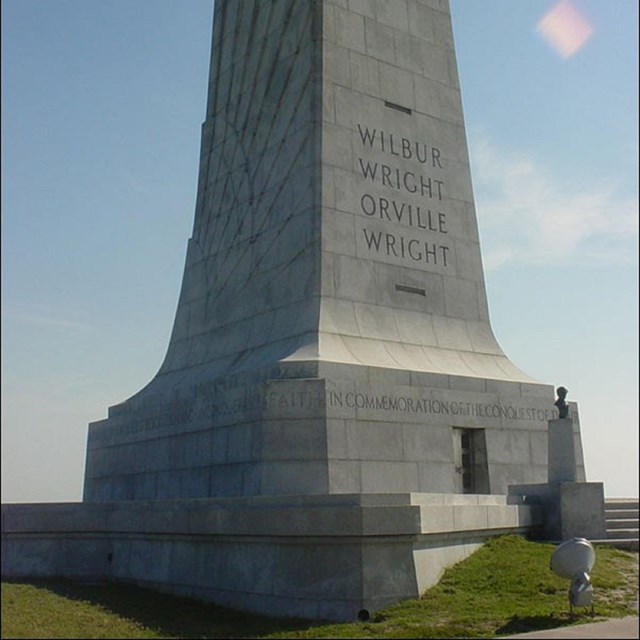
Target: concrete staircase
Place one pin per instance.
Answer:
(621, 516)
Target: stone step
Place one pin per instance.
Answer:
(621, 518)
(626, 544)
(622, 523)
(621, 533)
(619, 514)
(621, 507)
(622, 504)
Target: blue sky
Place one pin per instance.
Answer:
(102, 104)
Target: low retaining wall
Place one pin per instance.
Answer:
(331, 557)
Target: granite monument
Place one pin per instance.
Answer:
(332, 333)
(334, 422)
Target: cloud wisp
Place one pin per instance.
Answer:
(527, 217)
(43, 318)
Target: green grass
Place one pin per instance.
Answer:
(487, 595)
(65, 609)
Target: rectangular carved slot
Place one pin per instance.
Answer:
(406, 289)
(397, 107)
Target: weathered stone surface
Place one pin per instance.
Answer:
(334, 422)
(568, 509)
(563, 451)
(323, 557)
(332, 333)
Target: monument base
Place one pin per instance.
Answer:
(323, 428)
(571, 509)
(563, 451)
(332, 557)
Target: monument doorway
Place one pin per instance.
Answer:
(470, 460)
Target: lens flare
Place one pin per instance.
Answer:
(565, 29)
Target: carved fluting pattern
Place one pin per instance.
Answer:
(255, 196)
(251, 160)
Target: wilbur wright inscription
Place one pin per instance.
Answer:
(413, 207)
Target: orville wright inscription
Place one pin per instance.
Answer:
(414, 200)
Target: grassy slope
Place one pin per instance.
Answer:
(487, 594)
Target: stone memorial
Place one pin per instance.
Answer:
(332, 333)
(334, 421)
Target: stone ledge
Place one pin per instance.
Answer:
(331, 515)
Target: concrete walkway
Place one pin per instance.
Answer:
(616, 628)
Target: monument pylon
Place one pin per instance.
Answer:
(332, 333)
